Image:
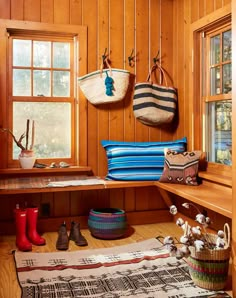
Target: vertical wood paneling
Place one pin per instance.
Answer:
(129, 120)
(142, 68)
(195, 10)
(129, 46)
(61, 204)
(102, 125)
(5, 9)
(209, 7)
(155, 47)
(142, 49)
(90, 19)
(47, 12)
(218, 4)
(116, 117)
(3, 93)
(32, 10)
(167, 54)
(61, 11)
(76, 12)
(202, 10)
(17, 9)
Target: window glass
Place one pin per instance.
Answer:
(21, 52)
(41, 91)
(52, 127)
(218, 130)
(41, 53)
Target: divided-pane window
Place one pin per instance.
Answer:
(42, 89)
(217, 94)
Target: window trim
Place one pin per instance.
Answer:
(196, 109)
(77, 32)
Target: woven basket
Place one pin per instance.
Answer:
(107, 223)
(94, 89)
(209, 268)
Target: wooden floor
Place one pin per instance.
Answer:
(8, 281)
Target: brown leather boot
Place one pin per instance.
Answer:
(62, 240)
(75, 234)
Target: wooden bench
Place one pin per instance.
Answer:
(216, 196)
(213, 196)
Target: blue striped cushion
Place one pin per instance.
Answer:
(138, 160)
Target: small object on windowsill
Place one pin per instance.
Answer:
(40, 165)
(63, 164)
(53, 165)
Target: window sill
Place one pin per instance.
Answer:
(45, 171)
(216, 178)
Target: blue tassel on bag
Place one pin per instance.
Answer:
(109, 85)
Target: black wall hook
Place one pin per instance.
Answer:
(156, 59)
(131, 58)
(104, 56)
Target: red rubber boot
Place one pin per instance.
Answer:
(32, 217)
(22, 241)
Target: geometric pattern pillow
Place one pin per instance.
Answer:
(181, 167)
(142, 161)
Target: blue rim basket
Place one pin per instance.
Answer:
(107, 223)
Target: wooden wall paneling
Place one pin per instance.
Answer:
(90, 19)
(82, 101)
(142, 199)
(6, 212)
(209, 7)
(155, 200)
(180, 68)
(225, 2)
(155, 46)
(202, 8)
(117, 198)
(76, 12)
(32, 9)
(102, 126)
(129, 48)
(61, 11)
(116, 28)
(142, 65)
(17, 9)
(47, 11)
(3, 94)
(5, 9)
(167, 62)
(61, 204)
(129, 119)
(129, 203)
(218, 4)
(194, 10)
(77, 203)
(142, 69)
(47, 198)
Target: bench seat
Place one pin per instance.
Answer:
(215, 197)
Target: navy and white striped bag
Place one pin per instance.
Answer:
(154, 104)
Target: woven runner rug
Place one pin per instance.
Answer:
(142, 269)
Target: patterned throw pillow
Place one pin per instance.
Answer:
(132, 161)
(181, 168)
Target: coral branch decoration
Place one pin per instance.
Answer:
(24, 135)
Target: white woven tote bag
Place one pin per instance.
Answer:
(94, 88)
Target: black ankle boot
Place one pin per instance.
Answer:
(76, 235)
(62, 240)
